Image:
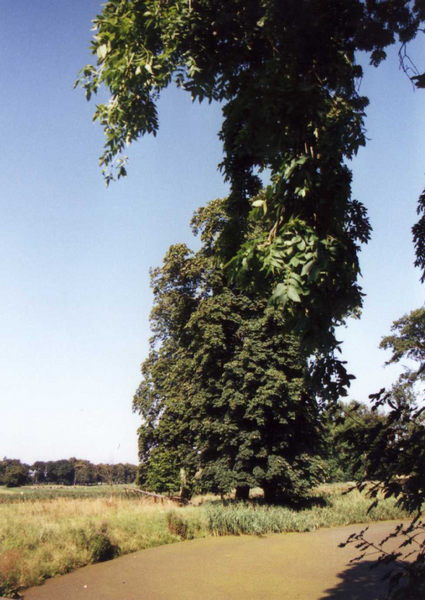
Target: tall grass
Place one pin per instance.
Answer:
(41, 538)
(353, 507)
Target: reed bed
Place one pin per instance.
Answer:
(334, 510)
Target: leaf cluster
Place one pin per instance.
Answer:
(287, 78)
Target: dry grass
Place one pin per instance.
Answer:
(42, 539)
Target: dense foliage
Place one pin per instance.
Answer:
(13, 473)
(226, 392)
(349, 428)
(287, 78)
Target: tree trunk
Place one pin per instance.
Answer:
(242, 492)
(271, 495)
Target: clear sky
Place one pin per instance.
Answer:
(75, 296)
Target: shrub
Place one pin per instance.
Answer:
(177, 525)
(98, 543)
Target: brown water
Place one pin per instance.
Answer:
(292, 566)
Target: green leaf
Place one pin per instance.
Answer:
(280, 290)
(102, 50)
(301, 191)
(307, 268)
(294, 262)
(293, 294)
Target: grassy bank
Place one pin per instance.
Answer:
(44, 537)
(333, 510)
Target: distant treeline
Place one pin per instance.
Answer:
(72, 471)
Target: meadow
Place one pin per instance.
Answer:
(47, 531)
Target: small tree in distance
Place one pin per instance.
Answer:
(347, 427)
(13, 473)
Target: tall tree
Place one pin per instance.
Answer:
(286, 75)
(226, 389)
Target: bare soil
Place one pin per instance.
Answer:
(292, 566)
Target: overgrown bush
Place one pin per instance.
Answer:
(177, 525)
(184, 528)
(98, 543)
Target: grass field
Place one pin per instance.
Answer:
(49, 531)
(50, 492)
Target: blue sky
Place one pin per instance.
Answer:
(75, 296)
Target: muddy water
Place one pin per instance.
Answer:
(293, 566)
